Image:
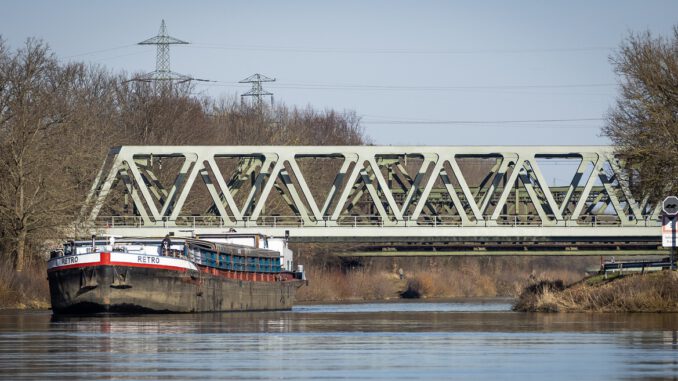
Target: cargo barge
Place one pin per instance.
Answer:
(143, 275)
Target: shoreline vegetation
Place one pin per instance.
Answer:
(536, 290)
(353, 280)
(650, 292)
(26, 289)
(372, 279)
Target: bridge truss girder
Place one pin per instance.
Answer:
(436, 194)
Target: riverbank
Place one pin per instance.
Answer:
(332, 279)
(437, 278)
(650, 292)
(27, 289)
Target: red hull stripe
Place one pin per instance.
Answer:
(161, 267)
(79, 265)
(109, 263)
(105, 260)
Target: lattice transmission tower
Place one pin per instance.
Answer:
(257, 91)
(162, 59)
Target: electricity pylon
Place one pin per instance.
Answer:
(162, 59)
(257, 91)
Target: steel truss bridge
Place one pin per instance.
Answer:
(403, 200)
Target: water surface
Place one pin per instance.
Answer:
(478, 340)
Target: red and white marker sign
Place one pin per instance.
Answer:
(669, 231)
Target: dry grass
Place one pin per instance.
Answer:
(361, 284)
(447, 283)
(377, 279)
(653, 292)
(540, 296)
(26, 289)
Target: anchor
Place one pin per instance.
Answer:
(88, 280)
(120, 279)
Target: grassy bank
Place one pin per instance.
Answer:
(651, 292)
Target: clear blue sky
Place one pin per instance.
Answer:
(406, 67)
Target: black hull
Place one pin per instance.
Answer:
(129, 289)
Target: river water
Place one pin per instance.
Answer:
(472, 340)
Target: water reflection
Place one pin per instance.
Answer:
(480, 340)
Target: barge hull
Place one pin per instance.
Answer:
(125, 289)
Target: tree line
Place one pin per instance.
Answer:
(59, 119)
(643, 123)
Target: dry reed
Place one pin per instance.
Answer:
(377, 279)
(653, 292)
(26, 289)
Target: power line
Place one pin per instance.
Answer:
(480, 87)
(100, 51)
(117, 56)
(486, 121)
(310, 86)
(299, 49)
(524, 123)
(510, 126)
(414, 51)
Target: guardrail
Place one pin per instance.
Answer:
(362, 221)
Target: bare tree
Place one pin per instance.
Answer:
(162, 115)
(57, 121)
(38, 101)
(643, 125)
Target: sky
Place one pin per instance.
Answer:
(416, 72)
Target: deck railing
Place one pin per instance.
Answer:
(358, 221)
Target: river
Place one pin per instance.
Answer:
(469, 340)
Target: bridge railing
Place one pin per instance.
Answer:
(358, 221)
